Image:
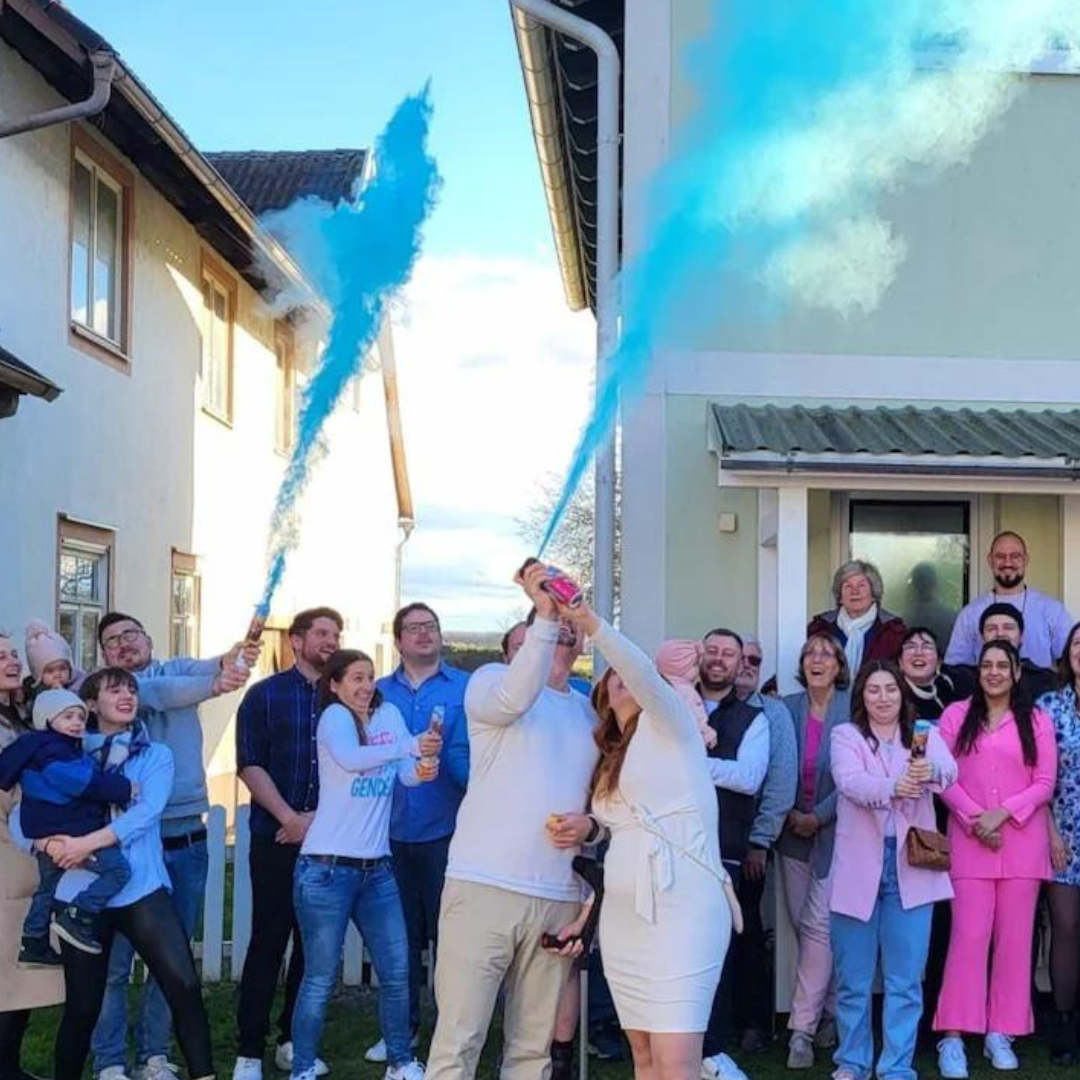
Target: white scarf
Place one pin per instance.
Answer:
(855, 632)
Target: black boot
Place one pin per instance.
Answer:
(1063, 1040)
(562, 1060)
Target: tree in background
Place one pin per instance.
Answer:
(571, 549)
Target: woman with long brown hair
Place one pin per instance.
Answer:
(665, 921)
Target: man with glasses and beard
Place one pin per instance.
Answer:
(276, 759)
(422, 818)
(753, 972)
(170, 693)
(509, 878)
(738, 764)
(1046, 623)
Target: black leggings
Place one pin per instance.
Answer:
(12, 1029)
(154, 930)
(1064, 945)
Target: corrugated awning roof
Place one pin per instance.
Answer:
(908, 439)
(274, 179)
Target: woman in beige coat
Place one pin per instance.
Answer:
(20, 990)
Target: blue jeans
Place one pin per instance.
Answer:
(326, 898)
(902, 939)
(153, 1027)
(112, 871)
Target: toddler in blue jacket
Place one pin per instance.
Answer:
(64, 793)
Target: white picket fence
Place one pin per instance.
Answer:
(226, 934)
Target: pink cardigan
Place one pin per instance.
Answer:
(865, 784)
(994, 775)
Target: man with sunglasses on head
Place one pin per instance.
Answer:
(753, 972)
(422, 818)
(170, 693)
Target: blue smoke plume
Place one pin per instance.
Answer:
(806, 113)
(357, 256)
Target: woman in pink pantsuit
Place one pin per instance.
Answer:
(999, 834)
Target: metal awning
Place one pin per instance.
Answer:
(17, 378)
(905, 441)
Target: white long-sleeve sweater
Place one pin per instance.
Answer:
(531, 755)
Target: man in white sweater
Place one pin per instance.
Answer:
(507, 884)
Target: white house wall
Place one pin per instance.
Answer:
(136, 452)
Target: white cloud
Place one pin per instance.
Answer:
(496, 382)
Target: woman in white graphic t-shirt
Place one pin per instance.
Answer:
(344, 870)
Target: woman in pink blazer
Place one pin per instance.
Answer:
(999, 831)
(881, 906)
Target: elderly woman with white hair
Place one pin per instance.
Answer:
(865, 630)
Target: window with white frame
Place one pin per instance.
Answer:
(216, 366)
(84, 578)
(184, 605)
(99, 204)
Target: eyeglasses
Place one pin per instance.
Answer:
(753, 661)
(819, 654)
(125, 637)
(428, 627)
(918, 646)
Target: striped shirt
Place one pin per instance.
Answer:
(275, 730)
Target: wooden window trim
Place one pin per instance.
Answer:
(216, 271)
(183, 562)
(117, 356)
(74, 531)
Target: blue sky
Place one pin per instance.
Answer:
(277, 75)
(485, 312)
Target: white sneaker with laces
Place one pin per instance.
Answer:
(951, 1058)
(113, 1072)
(157, 1067)
(414, 1070)
(247, 1069)
(377, 1051)
(998, 1048)
(283, 1059)
(721, 1067)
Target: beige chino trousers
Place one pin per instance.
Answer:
(490, 937)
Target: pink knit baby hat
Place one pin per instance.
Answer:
(43, 646)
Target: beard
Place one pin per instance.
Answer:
(725, 682)
(1009, 579)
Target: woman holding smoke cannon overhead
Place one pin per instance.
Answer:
(669, 907)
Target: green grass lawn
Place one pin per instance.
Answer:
(351, 1028)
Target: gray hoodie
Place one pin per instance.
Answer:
(170, 692)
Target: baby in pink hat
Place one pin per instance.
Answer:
(679, 661)
(49, 657)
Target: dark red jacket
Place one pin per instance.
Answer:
(882, 639)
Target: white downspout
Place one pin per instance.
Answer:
(104, 65)
(607, 266)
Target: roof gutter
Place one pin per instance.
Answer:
(540, 92)
(987, 468)
(532, 12)
(104, 67)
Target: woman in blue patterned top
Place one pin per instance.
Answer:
(1063, 706)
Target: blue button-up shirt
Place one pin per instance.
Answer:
(428, 812)
(275, 730)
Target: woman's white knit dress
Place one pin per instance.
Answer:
(665, 922)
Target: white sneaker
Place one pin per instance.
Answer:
(951, 1058)
(721, 1067)
(377, 1052)
(113, 1072)
(247, 1069)
(414, 1070)
(283, 1059)
(998, 1048)
(157, 1067)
